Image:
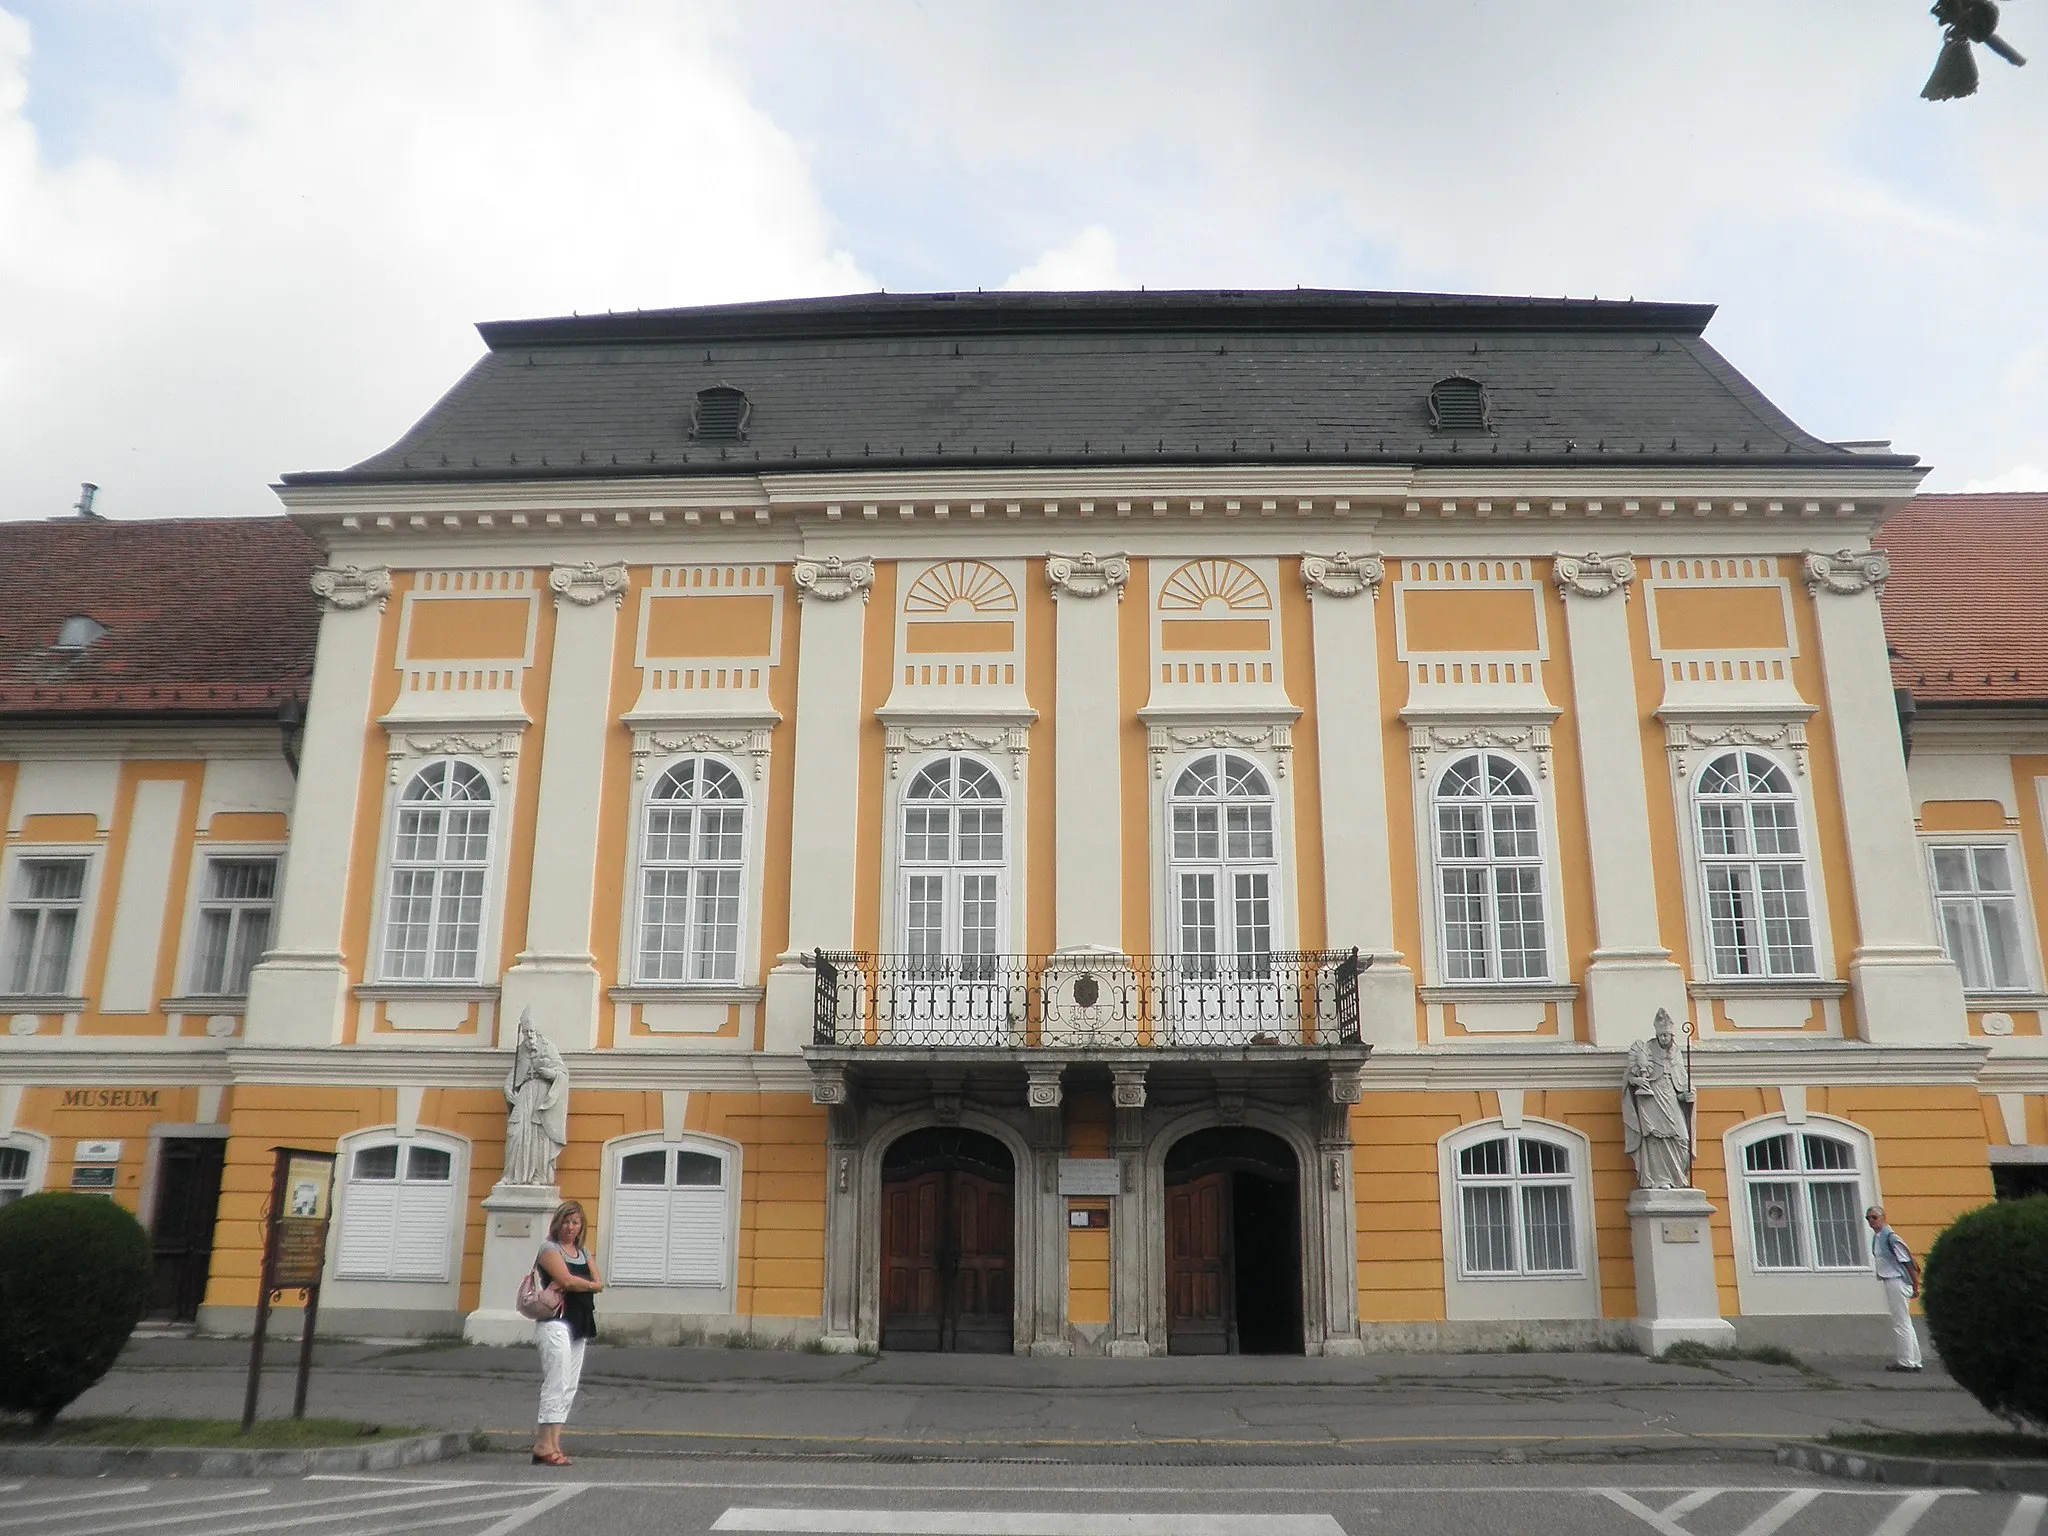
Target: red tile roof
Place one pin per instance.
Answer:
(203, 617)
(1966, 609)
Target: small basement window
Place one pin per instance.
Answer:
(720, 414)
(1459, 405)
(78, 632)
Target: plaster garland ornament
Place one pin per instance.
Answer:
(501, 747)
(349, 587)
(1087, 574)
(1847, 572)
(1342, 574)
(1010, 740)
(588, 584)
(750, 742)
(835, 578)
(1593, 575)
(1275, 739)
(1425, 741)
(1684, 738)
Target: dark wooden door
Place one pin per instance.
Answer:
(187, 1193)
(947, 1240)
(1200, 1287)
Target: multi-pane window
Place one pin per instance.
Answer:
(1225, 865)
(234, 924)
(1979, 905)
(1515, 1207)
(440, 859)
(42, 925)
(1489, 869)
(690, 869)
(668, 1219)
(1805, 1198)
(13, 1173)
(1753, 866)
(954, 866)
(397, 1210)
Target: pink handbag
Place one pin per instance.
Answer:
(542, 1303)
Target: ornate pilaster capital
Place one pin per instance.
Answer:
(1129, 1087)
(1347, 1085)
(349, 587)
(1593, 575)
(589, 583)
(1042, 1088)
(1847, 572)
(1087, 574)
(1342, 574)
(828, 1085)
(835, 578)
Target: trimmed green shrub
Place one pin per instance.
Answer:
(1985, 1292)
(74, 1278)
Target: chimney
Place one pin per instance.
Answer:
(86, 491)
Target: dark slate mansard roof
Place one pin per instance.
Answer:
(1009, 379)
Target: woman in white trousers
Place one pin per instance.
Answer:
(565, 1263)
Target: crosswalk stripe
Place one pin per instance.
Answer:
(1689, 1502)
(2025, 1519)
(1907, 1515)
(1769, 1521)
(45, 1517)
(954, 1522)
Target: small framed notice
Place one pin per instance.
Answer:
(1095, 1176)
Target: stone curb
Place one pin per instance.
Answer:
(225, 1461)
(1915, 1471)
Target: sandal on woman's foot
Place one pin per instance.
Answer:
(550, 1459)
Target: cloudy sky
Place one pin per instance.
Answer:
(239, 237)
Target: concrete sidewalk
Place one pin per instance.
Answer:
(1215, 1409)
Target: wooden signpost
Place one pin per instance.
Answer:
(294, 1254)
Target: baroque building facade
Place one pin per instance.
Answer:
(1106, 824)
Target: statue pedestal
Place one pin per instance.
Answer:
(1676, 1297)
(515, 1225)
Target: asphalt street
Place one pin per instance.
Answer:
(600, 1497)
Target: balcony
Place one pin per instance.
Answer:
(1087, 1000)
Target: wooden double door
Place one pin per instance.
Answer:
(181, 1231)
(1233, 1247)
(948, 1239)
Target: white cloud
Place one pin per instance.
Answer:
(2023, 477)
(1088, 261)
(285, 275)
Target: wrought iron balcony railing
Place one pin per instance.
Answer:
(1082, 1000)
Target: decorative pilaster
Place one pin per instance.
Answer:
(826, 800)
(1358, 890)
(1906, 990)
(1128, 1226)
(1043, 1095)
(1088, 838)
(1632, 974)
(298, 994)
(556, 975)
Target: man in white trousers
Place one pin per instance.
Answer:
(1899, 1273)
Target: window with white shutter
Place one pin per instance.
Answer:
(397, 1213)
(670, 1218)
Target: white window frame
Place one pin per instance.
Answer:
(901, 868)
(486, 966)
(449, 1273)
(1521, 1294)
(1542, 863)
(663, 1297)
(745, 869)
(1780, 1291)
(37, 1147)
(1222, 866)
(2009, 844)
(16, 895)
(1269, 759)
(199, 900)
(1809, 866)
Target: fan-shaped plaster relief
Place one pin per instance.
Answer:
(959, 634)
(1213, 624)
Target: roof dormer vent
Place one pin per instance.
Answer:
(1459, 404)
(720, 414)
(78, 632)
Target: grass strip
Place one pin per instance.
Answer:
(1955, 1445)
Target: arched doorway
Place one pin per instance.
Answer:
(1233, 1244)
(948, 1233)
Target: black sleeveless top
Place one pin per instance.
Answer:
(579, 1308)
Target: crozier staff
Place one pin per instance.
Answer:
(1656, 1109)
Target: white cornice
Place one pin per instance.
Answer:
(253, 742)
(1749, 1065)
(1940, 728)
(84, 1063)
(484, 1067)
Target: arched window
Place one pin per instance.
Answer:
(440, 855)
(690, 866)
(1489, 870)
(1753, 867)
(669, 1216)
(954, 868)
(1225, 864)
(397, 1211)
(1515, 1207)
(1804, 1193)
